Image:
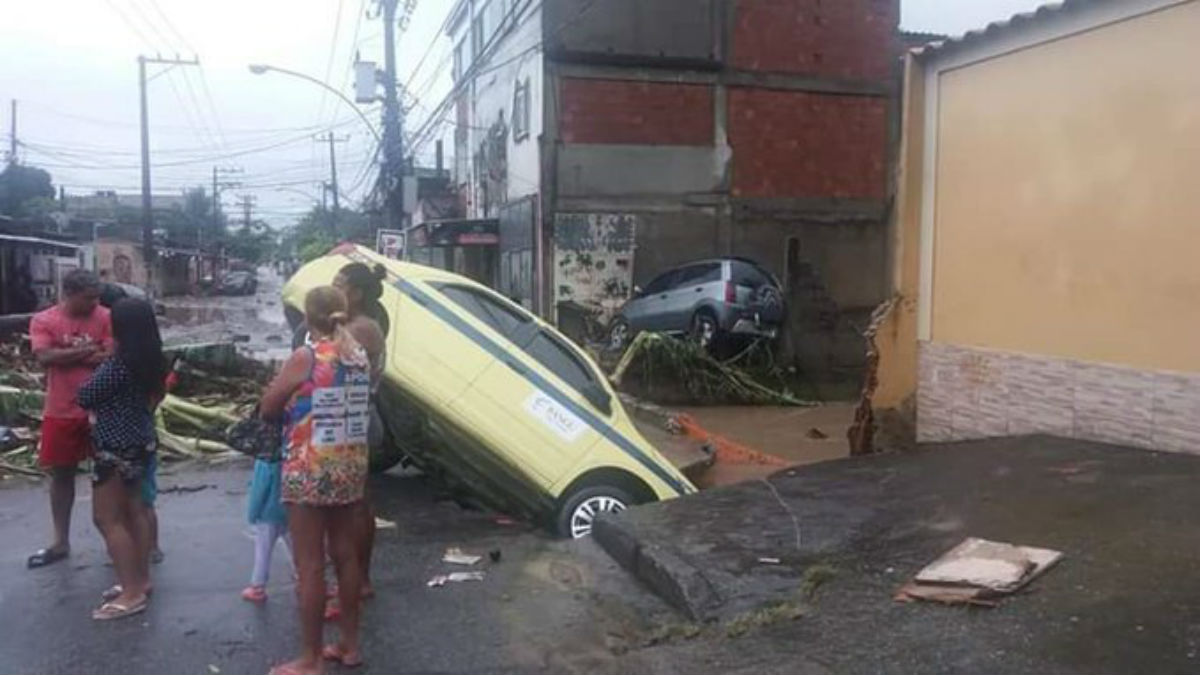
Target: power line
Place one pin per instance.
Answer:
(361, 15)
(337, 26)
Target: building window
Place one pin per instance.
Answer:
(459, 60)
(477, 35)
(520, 111)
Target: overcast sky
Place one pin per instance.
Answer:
(72, 66)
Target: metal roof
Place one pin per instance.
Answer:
(1013, 23)
(38, 241)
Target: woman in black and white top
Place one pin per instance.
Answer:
(121, 397)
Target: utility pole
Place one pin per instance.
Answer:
(393, 126)
(247, 202)
(147, 202)
(12, 148)
(333, 181)
(217, 186)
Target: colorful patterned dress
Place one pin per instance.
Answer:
(325, 460)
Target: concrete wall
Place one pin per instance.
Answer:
(1044, 251)
(609, 170)
(111, 256)
(593, 259)
(633, 30)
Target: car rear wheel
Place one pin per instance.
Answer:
(579, 512)
(704, 329)
(619, 334)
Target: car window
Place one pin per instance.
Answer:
(560, 360)
(499, 316)
(661, 283)
(746, 274)
(699, 274)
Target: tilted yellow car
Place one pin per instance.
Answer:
(478, 391)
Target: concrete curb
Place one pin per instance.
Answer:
(678, 582)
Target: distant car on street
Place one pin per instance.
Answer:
(238, 283)
(708, 300)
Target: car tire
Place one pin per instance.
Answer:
(704, 329)
(580, 508)
(620, 334)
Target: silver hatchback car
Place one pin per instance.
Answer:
(709, 300)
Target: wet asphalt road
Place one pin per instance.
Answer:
(548, 606)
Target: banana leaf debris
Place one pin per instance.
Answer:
(666, 369)
(214, 387)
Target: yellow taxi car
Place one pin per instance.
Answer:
(479, 392)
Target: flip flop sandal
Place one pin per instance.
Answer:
(115, 592)
(45, 557)
(287, 669)
(110, 611)
(336, 654)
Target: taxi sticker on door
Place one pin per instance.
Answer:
(554, 416)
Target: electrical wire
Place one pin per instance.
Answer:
(337, 26)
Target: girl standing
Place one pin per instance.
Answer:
(322, 395)
(120, 397)
(266, 513)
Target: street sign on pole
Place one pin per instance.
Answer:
(391, 243)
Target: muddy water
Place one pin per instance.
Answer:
(796, 435)
(255, 322)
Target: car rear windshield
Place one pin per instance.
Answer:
(749, 274)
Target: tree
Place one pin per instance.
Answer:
(313, 236)
(19, 184)
(192, 224)
(254, 243)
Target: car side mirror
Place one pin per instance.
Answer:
(638, 292)
(598, 396)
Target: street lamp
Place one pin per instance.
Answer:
(262, 69)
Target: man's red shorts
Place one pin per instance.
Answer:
(65, 442)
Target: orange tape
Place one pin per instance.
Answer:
(726, 450)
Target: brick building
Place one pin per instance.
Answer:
(616, 138)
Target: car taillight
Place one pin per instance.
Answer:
(730, 292)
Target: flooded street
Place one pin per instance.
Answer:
(255, 322)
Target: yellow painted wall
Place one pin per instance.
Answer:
(1067, 211)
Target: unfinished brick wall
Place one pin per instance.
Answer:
(802, 144)
(644, 113)
(849, 39)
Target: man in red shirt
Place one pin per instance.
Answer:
(69, 340)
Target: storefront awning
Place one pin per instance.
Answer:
(460, 232)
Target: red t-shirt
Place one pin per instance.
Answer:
(54, 328)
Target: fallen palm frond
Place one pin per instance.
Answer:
(660, 360)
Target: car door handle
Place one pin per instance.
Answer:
(663, 296)
(699, 289)
(516, 367)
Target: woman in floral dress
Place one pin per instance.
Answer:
(322, 394)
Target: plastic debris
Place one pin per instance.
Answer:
(453, 578)
(456, 556)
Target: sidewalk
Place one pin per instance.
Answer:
(1125, 598)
